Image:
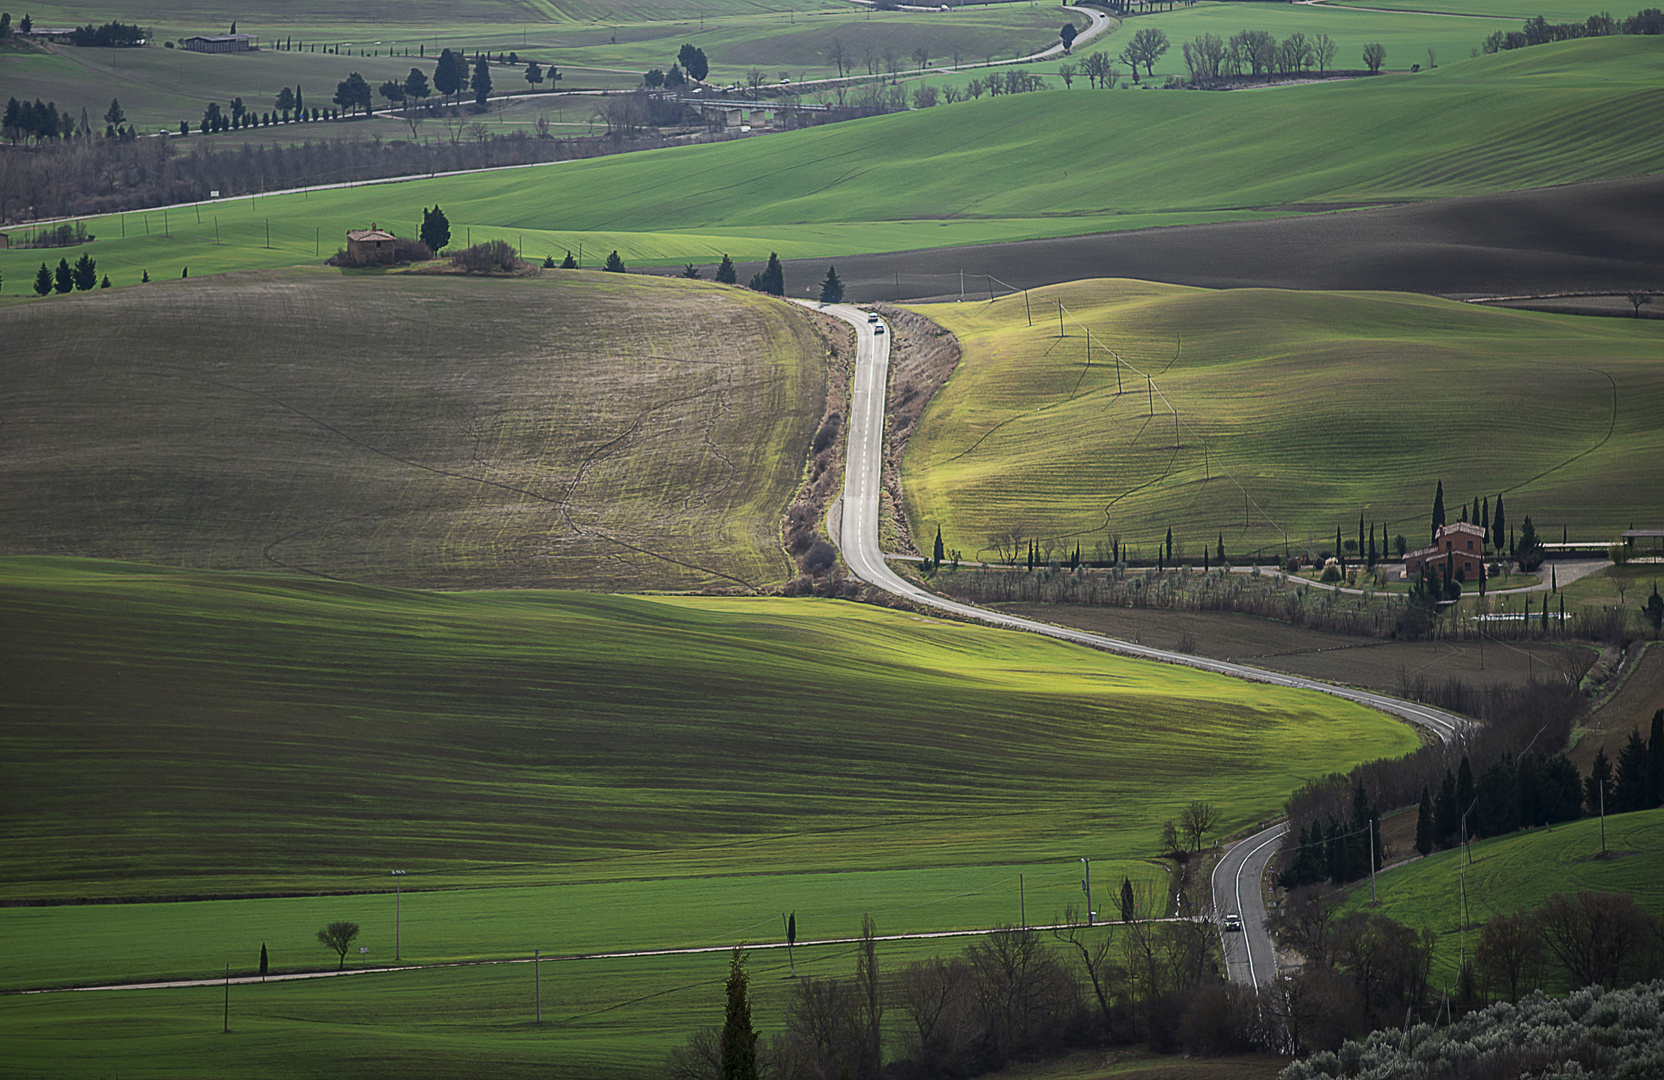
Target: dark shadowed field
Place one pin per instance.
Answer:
(1596, 237)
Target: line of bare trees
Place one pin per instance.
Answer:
(1015, 995)
(100, 176)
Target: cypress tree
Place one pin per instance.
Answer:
(1485, 518)
(1499, 526)
(1340, 552)
(1631, 789)
(1372, 555)
(832, 289)
(937, 549)
(262, 959)
(43, 281)
(1424, 823)
(737, 1046)
(569, 263)
(1444, 812)
(1655, 759)
(1169, 543)
(725, 273)
(1438, 509)
(1128, 910)
(1599, 781)
(615, 265)
(64, 280)
(1219, 552)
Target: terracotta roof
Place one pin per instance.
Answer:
(369, 234)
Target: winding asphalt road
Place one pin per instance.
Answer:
(1250, 956)
(1236, 881)
(858, 539)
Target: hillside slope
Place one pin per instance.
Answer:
(577, 429)
(1272, 418)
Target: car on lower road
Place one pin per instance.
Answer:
(1233, 923)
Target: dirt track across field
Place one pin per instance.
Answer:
(1605, 236)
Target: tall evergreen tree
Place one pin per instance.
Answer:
(1169, 543)
(1485, 518)
(774, 276)
(1438, 508)
(737, 1045)
(436, 228)
(1630, 791)
(569, 263)
(64, 279)
(1128, 909)
(725, 272)
(43, 281)
(1444, 812)
(832, 290)
(1499, 526)
(263, 960)
(615, 264)
(85, 273)
(1598, 785)
(481, 84)
(937, 550)
(1475, 517)
(1559, 791)
(1424, 823)
(1372, 555)
(1655, 760)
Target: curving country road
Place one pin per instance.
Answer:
(1250, 956)
(1236, 882)
(858, 540)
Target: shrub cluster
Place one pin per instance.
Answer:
(491, 257)
(1590, 1033)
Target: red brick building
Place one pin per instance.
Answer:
(1457, 549)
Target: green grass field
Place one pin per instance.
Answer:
(158, 86)
(182, 732)
(1406, 34)
(600, 1019)
(582, 430)
(1297, 412)
(1521, 870)
(938, 177)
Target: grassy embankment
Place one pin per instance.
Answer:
(1521, 870)
(572, 430)
(1553, 114)
(1297, 412)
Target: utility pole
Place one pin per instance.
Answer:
(1060, 318)
(1371, 827)
(1022, 908)
(1026, 311)
(226, 1030)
